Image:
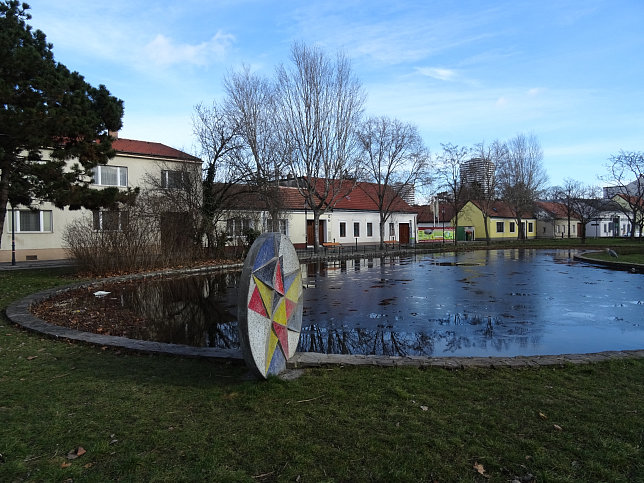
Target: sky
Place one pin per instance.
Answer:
(569, 72)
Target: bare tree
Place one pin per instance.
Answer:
(568, 196)
(219, 141)
(450, 162)
(250, 103)
(521, 176)
(584, 203)
(319, 105)
(485, 191)
(394, 158)
(627, 172)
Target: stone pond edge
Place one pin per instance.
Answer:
(19, 313)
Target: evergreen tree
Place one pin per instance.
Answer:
(44, 105)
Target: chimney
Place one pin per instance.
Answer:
(114, 134)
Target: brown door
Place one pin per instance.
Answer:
(310, 235)
(403, 228)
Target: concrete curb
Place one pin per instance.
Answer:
(633, 267)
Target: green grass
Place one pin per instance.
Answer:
(159, 418)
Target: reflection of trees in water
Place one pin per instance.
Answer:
(382, 340)
(197, 311)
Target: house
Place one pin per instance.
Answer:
(552, 221)
(353, 220)
(632, 208)
(609, 220)
(38, 232)
(435, 222)
(501, 222)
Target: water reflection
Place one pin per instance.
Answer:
(483, 303)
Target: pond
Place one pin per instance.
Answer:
(482, 303)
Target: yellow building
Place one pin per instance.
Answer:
(501, 222)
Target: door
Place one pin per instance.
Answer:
(403, 233)
(310, 235)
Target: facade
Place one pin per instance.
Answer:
(354, 219)
(502, 224)
(632, 208)
(478, 172)
(38, 232)
(552, 221)
(609, 222)
(435, 223)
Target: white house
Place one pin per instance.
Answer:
(38, 232)
(353, 220)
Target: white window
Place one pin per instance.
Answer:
(369, 229)
(110, 220)
(343, 229)
(574, 228)
(237, 226)
(356, 229)
(110, 176)
(173, 179)
(499, 226)
(530, 227)
(28, 221)
(392, 230)
(512, 227)
(280, 225)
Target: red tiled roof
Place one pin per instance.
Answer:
(426, 213)
(356, 199)
(500, 209)
(558, 210)
(147, 148)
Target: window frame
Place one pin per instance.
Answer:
(343, 229)
(98, 175)
(42, 214)
(166, 179)
(99, 220)
(356, 229)
(369, 229)
(500, 224)
(512, 228)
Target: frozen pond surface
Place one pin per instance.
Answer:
(482, 303)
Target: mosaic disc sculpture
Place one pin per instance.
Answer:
(269, 312)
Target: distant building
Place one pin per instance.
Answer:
(631, 188)
(407, 192)
(478, 173)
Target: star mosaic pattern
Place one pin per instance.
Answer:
(274, 308)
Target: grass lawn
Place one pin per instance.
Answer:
(141, 418)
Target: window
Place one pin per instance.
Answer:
(110, 220)
(369, 229)
(530, 227)
(605, 227)
(279, 225)
(512, 227)
(557, 229)
(574, 228)
(343, 229)
(392, 230)
(28, 221)
(356, 229)
(173, 179)
(110, 176)
(237, 226)
(499, 226)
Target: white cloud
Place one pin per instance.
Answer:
(438, 73)
(163, 51)
(534, 92)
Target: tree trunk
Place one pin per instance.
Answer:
(382, 232)
(4, 197)
(316, 231)
(487, 229)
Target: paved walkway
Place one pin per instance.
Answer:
(36, 264)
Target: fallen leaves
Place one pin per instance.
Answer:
(480, 469)
(76, 453)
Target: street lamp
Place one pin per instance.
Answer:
(443, 217)
(13, 235)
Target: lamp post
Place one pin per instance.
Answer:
(13, 235)
(443, 217)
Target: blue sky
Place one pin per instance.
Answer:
(569, 72)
